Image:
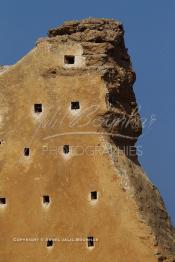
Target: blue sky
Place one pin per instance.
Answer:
(150, 37)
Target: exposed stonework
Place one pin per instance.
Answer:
(129, 217)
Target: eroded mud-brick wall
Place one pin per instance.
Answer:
(67, 115)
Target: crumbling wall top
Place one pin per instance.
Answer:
(90, 30)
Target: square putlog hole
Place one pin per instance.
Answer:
(46, 200)
(26, 151)
(94, 195)
(69, 60)
(90, 241)
(38, 108)
(66, 149)
(2, 201)
(49, 243)
(75, 105)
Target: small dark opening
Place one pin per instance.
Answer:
(75, 105)
(26, 151)
(2, 201)
(46, 200)
(94, 195)
(38, 108)
(49, 243)
(1, 142)
(112, 98)
(66, 149)
(69, 59)
(90, 241)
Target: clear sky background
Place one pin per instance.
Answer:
(150, 37)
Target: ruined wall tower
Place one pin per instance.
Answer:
(68, 179)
